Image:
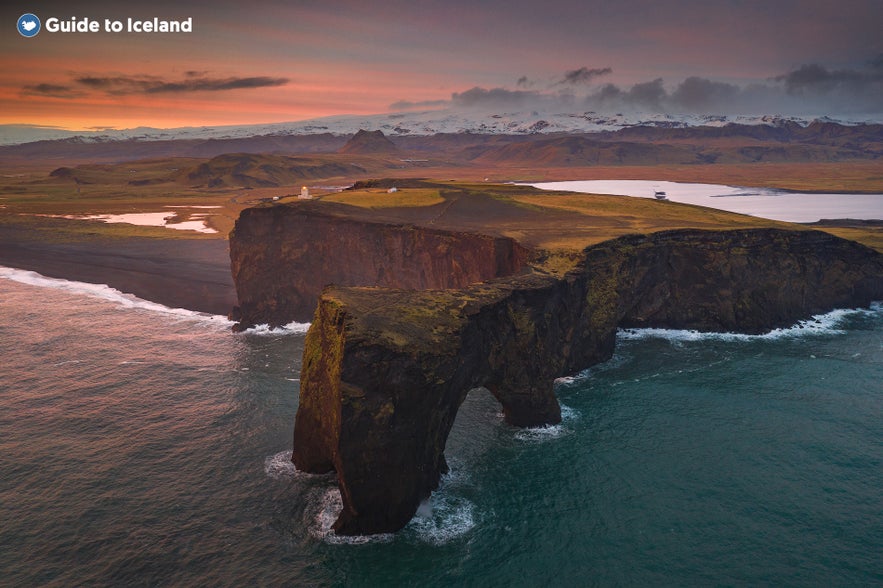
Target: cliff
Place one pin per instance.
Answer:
(385, 370)
(282, 256)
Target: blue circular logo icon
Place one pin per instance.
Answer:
(28, 25)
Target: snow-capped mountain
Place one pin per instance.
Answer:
(418, 123)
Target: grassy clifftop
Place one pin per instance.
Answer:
(554, 223)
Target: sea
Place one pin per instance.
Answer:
(147, 446)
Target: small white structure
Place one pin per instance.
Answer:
(391, 190)
(305, 193)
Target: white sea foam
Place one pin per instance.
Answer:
(279, 466)
(442, 518)
(104, 292)
(538, 434)
(321, 520)
(820, 324)
(439, 520)
(292, 328)
(548, 432)
(614, 362)
(457, 475)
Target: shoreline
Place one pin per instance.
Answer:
(193, 274)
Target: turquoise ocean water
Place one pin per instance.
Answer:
(145, 446)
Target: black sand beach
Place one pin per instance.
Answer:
(179, 273)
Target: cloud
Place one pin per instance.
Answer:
(408, 105)
(647, 94)
(51, 91)
(850, 89)
(494, 98)
(583, 75)
(697, 94)
(194, 81)
(808, 90)
(644, 96)
(817, 78)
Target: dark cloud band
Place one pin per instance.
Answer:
(144, 84)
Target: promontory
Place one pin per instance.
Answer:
(420, 291)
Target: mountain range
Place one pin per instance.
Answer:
(401, 124)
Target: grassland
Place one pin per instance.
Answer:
(595, 218)
(36, 195)
(35, 198)
(380, 198)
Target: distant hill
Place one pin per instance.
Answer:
(785, 141)
(250, 170)
(369, 143)
(130, 149)
(730, 143)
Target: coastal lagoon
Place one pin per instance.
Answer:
(147, 445)
(763, 202)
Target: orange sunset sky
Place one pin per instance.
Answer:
(261, 62)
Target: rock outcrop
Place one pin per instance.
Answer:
(385, 370)
(282, 256)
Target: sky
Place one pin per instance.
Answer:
(275, 61)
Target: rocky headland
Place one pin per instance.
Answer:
(420, 313)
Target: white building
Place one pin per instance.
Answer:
(305, 193)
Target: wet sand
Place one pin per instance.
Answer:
(179, 273)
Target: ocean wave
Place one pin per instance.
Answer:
(106, 293)
(292, 328)
(321, 520)
(280, 467)
(549, 432)
(443, 518)
(829, 323)
(440, 519)
(325, 502)
(457, 474)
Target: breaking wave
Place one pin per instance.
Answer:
(445, 516)
(830, 323)
(105, 292)
(322, 517)
(442, 518)
(292, 328)
(548, 432)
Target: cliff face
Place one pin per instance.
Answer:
(282, 257)
(385, 370)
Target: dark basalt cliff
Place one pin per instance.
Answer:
(282, 256)
(385, 370)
